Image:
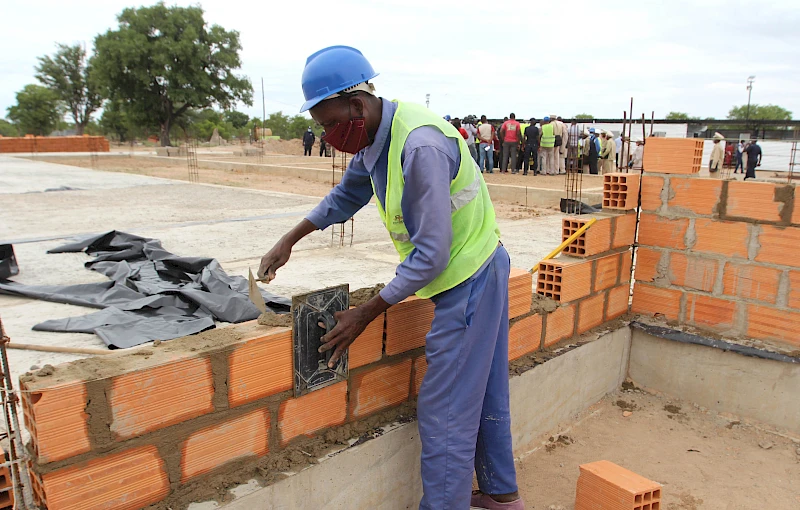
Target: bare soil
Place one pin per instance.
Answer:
(703, 460)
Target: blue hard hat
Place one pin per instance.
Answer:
(546, 118)
(591, 130)
(447, 117)
(331, 70)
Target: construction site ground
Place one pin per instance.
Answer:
(704, 460)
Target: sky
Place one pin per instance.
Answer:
(478, 57)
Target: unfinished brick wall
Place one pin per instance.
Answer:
(54, 144)
(720, 255)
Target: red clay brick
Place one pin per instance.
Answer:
(560, 325)
(709, 311)
(606, 273)
(796, 210)
(234, 439)
(520, 288)
(379, 388)
(564, 280)
(313, 411)
(604, 485)
(420, 368)
(651, 192)
(650, 300)
(260, 367)
(692, 271)
(663, 232)
(672, 155)
(127, 480)
(625, 271)
(778, 245)
(767, 323)
(596, 239)
(696, 195)
(794, 289)
(721, 237)
(161, 396)
(407, 323)
(590, 312)
(751, 281)
(647, 260)
(617, 298)
(524, 336)
(754, 200)
(56, 420)
(620, 191)
(624, 230)
(368, 346)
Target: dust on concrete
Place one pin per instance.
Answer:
(46, 371)
(626, 406)
(269, 318)
(672, 408)
(543, 304)
(360, 296)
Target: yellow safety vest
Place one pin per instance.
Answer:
(475, 231)
(548, 135)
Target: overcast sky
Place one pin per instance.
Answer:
(479, 57)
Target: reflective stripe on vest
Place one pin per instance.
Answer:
(548, 135)
(475, 232)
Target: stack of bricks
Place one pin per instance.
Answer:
(134, 428)
(673, 155)
(54, 144)
(603, 485)
(720, 255)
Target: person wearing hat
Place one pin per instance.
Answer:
(594, 151)
(435, 205)
(717, 156)
(562, 134)
(308, 141)
(547, 146)
(608, 154)
(637, 161)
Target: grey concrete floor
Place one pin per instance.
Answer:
(236, 226)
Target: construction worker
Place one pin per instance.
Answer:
(308, 141)
(531, 135)
(547, 146)
(435, 205)
(595, 149)
(322, 143)
(608, 155)
(638, 155)
(715, 161)
(753, 153)
(510, 135)
(562, 135)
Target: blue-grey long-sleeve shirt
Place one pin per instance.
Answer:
(430, 162)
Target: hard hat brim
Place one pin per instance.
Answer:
(314, 101)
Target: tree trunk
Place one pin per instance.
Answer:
(165, 133)
(79, 129)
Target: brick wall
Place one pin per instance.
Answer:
(54, 144)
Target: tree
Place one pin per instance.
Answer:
(38, 110)
(67, 74)
(162, 61)
(8, 129)
(237, 119)
(289, 128)
(760, 112)
(677, 116)
(583, 116)
(115, 120)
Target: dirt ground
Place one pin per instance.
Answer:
(703, 460)
(257, 180)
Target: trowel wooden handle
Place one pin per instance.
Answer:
(53, 348)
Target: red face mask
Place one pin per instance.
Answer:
(350, 136)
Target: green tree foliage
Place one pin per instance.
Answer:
(760, 112)
(8, 129)
(290, 128)
(162, 61)
(583, 116)
(236, 119)
(680, 116)
(38, 110)
(114, 120)
(67, 74)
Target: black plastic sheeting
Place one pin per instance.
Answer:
(151, 294)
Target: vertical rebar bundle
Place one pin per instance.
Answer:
(339, 228)
(792, 160)
(573, 185)
(191, 160)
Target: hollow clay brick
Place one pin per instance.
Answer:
(651, 192)
(778, 245)
(564, 280)
(160, 396)
(647, 260)
(607, 272)
(590, 312)
(721, 237)
(127, 480)
(560, 325)
(320, 409)
(520, 288)
(407, 323)
(596, 239)
(695, 195)
(56, 420)
(693, 272)
(234, 439)
(368, 346)
(715, 313)
(379, 388)
(624, 230)
(755, 200)
(751, 281)
(663, 232)
(604, 485)
(420, 367)
(766, 323)
(260, 366)
(617, 298)
(794, 289)
(672, 155)
(524, 336)
(651, 300)
(620, 191)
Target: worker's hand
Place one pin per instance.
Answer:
(349, 324)
(275, 258)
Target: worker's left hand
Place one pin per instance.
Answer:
(349, 324)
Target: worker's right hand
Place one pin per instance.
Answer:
(274, 259)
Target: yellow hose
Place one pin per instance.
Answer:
(566, 243)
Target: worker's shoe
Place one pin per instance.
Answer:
(481, 500)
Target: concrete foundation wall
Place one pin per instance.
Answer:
(754, 388)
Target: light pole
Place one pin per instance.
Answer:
(427, 100)
(750, 80)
